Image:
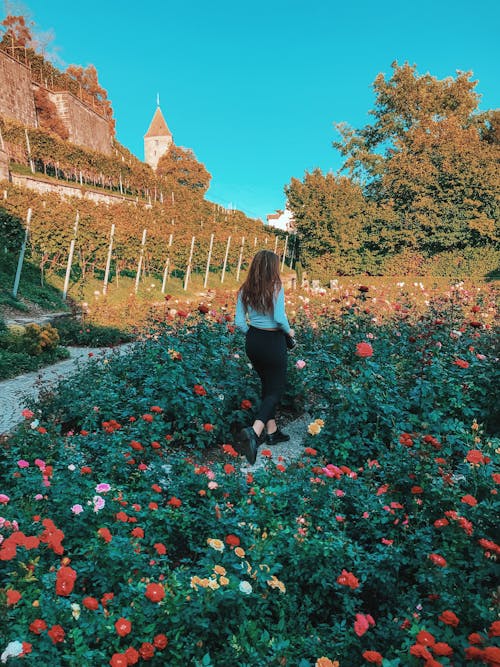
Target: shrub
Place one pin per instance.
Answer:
(121, 535)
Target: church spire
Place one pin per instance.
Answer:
(158, 138)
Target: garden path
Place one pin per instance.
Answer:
(14, 393)
(288, 451)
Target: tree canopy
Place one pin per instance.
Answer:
(426, 169)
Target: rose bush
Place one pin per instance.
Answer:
(130, 534)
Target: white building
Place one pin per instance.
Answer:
(282, 220)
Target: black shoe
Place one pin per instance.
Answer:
(246, 444)
(276, 437)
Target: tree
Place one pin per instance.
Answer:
(432, 157)
(17, 33)
(179, 167)
(330, 214)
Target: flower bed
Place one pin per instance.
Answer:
(130, 535)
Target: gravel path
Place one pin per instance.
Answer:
(15, 392)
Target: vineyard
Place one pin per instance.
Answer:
(172, 232)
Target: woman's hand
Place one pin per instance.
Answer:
(292, 333)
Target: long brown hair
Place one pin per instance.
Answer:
(262, 283)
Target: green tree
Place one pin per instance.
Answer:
(432, 157)
(331, 215)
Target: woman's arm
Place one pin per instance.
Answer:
(240, 319)
(279, 311)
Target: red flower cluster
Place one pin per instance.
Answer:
(65, 580)
(348, 579)
(199, 390)
(111, 426)
(52, 536)
(363, 623)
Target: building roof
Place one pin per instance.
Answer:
(158, 127)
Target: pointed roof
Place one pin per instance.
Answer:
(158, 127)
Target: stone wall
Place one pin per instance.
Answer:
(86, 128)
(16, 94)
(67, 190)
(4, 165)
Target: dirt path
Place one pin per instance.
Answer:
(15, 392)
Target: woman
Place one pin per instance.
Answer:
(260, 314)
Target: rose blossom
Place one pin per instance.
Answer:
(77, 509)
(102, 487)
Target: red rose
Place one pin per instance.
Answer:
(160, 548)
(442, 648)
(438, 560)
(232, 540)
(123, 627)
(155, 592)
(118, 660)
(449, 618)
(246, 404)
(13, 596)
(90, 603)
(199, 390)
(147, 651)
(425, 638)
(174, 502)
(105, 534)
(37, 626)
(348, 579)
(132, 656)
(160, 642)
(364, 350)
(57, 634)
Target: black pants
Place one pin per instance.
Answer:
(268, 353)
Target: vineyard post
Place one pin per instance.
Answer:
(225, 259)
(188, 268)
(21, 255)
(70, 258)
(240, 258)
(276, 245)
(32, 165)
(293, 250)
(284, 253)
(121, 183)
(2, 145)
(208, 259)
(139, 265)
(167, 266)
(108, 260)
(255, 242)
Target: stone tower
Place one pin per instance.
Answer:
(157, 139)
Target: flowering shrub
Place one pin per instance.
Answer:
(131, 535)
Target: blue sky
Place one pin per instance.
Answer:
(255, 88)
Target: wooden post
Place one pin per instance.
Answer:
(255, 242)
(70, 258)
(208, 260)
(139, 265)
(121, 184)
(108, 261)
(167, 266)
(2, 145)
(188, 268)
(276, 245)
(284, 253)
(293, 250)
(225, 259)
(32, 164)
(240, 258)
(21, 255)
